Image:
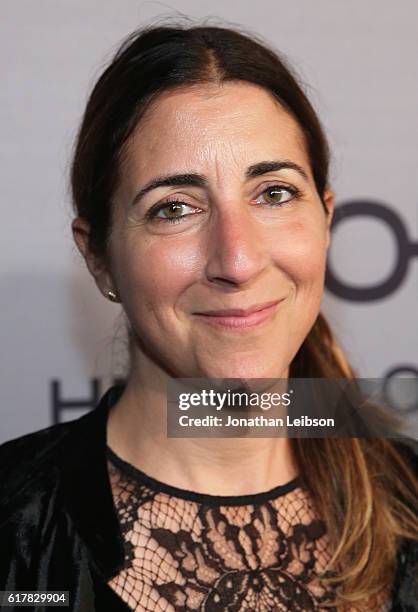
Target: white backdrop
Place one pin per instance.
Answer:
(359, 61)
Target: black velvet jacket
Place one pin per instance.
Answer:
(58, 525)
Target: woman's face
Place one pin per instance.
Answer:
(240, 228)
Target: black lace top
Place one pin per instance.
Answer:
(187, 551)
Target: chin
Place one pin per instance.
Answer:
(245, 369)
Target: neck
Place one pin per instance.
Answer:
(136, 431)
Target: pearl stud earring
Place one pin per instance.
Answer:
(112, 296)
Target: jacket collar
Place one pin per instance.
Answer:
(86, 487)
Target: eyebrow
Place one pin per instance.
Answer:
(199, 180)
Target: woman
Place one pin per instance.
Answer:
(203, 207)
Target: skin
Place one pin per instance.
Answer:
(233, 247)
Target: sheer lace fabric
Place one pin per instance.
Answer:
(189, 555)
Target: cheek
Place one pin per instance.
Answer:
(300, 251)
(156, 272)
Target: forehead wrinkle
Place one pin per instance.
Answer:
(226, 165)
(211, 158)
(290, 135)
(213, 150)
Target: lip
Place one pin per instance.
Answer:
(239, 312)
(237, 318)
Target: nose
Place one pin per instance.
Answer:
(237, 250)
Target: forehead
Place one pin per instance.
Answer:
(232, 124)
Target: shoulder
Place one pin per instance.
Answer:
(408, 448)
(30, 466)
(29, 481)
(405, 584)
(22, 447)
(34, 467)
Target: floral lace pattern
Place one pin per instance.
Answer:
(186, 555)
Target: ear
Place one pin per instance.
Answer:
(95, 265)
(329, 200)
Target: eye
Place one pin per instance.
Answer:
(276, 195)
(173, 211)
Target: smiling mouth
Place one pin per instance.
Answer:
(239, 318)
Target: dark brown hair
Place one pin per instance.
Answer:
(363, 489)
(156, 59)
